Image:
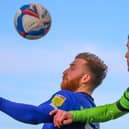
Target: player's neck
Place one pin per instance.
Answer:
(84, 90)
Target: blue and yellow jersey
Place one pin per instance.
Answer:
(65, 100)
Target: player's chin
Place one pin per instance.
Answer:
(63, 86)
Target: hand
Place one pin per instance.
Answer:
(61, 118)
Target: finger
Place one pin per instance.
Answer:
(58, 119)
(53, 112)
(67, 121)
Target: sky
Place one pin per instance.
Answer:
(31, 70)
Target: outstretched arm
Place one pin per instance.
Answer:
(98, 114)
(104, 113)
(26, 113)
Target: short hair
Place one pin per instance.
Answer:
(97, 67)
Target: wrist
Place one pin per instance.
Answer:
(72, 115)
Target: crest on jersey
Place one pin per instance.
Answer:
(58, 100)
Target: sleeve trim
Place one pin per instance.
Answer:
(120, 107)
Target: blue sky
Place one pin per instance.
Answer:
(31, 70)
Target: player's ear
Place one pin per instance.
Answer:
(86, 78)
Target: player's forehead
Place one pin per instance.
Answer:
(78, 61)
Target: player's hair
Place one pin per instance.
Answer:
(97, 67)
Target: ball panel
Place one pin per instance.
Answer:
(29, 22)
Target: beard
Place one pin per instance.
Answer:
(71, 85)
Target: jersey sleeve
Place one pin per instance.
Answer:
(33, 114)
(123, 103)
(104, 113)
(98, 114)
(24, 112)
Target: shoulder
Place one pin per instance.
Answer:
(65, 92)
(63, 95)
(62, 99)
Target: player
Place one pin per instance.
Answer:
(80, 79)
(97, 114)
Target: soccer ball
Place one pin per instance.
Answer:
(32, 21)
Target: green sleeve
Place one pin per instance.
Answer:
(103, 113)
(97, 114)
(123, 103)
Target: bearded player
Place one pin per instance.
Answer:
(98, 114)
(80, 79)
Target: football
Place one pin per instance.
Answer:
(32, 21)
